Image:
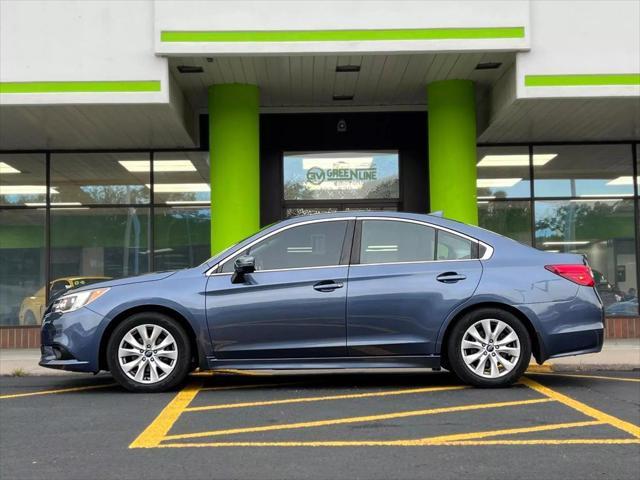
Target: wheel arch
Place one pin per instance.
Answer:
(175, 315)
(536, 343)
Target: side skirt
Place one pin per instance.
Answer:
(422, 361)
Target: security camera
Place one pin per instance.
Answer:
(342, 126)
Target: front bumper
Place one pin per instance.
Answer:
(71, 341)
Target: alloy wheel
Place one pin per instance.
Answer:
(148, 353)
(490, 348)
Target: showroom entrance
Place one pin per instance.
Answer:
(326, 162)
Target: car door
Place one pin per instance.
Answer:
(405, 278)
(293, 305)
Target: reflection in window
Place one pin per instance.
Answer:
(22, 179)
(182, 237)
(511, 218)
(112, 242)
(603, 230)
(387, 241)
(453, 247)
(22, 266)
(79, 179)
(583, 171)
(341, 175)
(312, 245)
(504, 172)
(181, 178)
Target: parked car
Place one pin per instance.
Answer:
(32, 307)
(339, 290)
(627, 308)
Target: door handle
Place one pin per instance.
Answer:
(450, 277)
(327, 286)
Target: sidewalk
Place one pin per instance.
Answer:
(616, 355)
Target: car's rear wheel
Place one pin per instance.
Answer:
(489, 348)
(149, 352)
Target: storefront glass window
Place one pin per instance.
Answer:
(181, 178)
(583, 171)
(111, 243)
(503, 172)
(22, 179)
(604, 231)
(79, 179)
(341, 175)
(182, 236)
(510, 218)
(22, 266)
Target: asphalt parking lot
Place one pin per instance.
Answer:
(351, 426)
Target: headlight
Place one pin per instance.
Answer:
(73, 301)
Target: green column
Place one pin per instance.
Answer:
(234, 162)
(452, 149)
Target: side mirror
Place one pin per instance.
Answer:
(243, 265)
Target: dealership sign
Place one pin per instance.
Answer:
(339, 173)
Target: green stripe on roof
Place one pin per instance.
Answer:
(342, 35)
(582, 80)
(77, 87)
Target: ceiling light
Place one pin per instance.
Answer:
(497, 182)
(486, 197)
(521, 160)
(342, 98)
(574, 242)
(6, 168)
(347, 68)
(53, 204)
(158, 165)
(189, 69)
(25, 190)
(179, 187)
(488, 65)
(623, 181)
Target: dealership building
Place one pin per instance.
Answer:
(144, 135)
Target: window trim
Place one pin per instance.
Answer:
(213, 271)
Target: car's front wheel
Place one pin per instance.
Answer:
(149, 352)
(489, 348)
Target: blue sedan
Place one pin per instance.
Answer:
(336, 291)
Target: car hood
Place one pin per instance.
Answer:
(149, 277)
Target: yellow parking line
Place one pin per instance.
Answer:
(367, 418)
(324, 398)
(579, 375)
(428, 441)
(550, 441)
(61, 390)
(155, 432)
(583, 408)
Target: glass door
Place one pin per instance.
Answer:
(319, 182)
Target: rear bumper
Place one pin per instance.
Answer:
(574, 327)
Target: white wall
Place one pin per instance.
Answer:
(199, 15)
(43, 40)
(581, 37)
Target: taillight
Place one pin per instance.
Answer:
(580, 274)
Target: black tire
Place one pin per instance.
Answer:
(454, 348)
(183, 361)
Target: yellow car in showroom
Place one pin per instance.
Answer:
(32, 307)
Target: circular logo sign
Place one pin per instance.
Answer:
(315, 175)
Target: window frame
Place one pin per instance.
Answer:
(475, 243)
